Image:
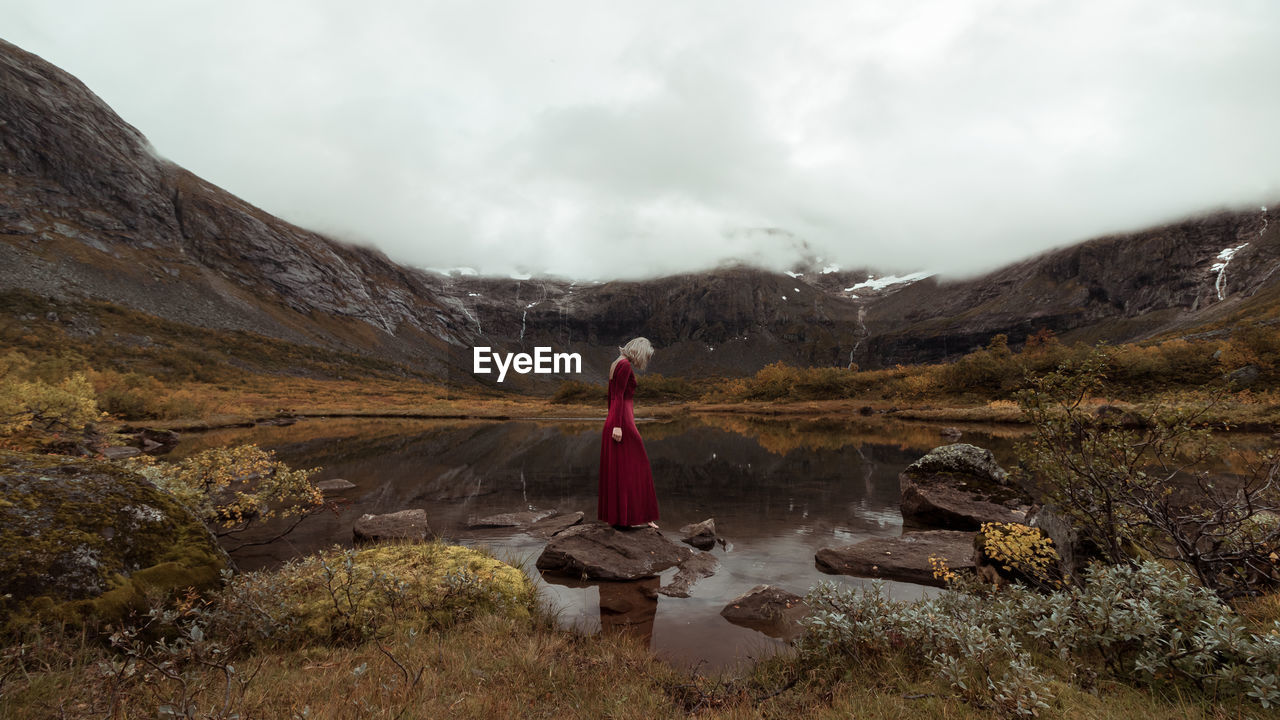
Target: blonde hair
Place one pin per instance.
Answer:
(638, 351)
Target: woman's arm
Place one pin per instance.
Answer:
(617, 431)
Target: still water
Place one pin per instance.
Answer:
(778, 490)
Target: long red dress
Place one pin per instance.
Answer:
(627, 496)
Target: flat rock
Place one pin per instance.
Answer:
(522, 518)
(120, 452)
(548, 527)
(336, 485)
(403, 525)
(959, 487)
(701, 565)
(598, 551)
(904, 558)
(700, 535)
(768, 609)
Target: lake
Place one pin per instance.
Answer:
(779, 490)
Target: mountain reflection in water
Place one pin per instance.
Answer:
(778, 490)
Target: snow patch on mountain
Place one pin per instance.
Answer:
(879, 283)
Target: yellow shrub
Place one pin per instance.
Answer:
(1021, 549)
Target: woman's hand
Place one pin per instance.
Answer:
(617, 434)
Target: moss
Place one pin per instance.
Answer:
(88, 542)
(353, 594)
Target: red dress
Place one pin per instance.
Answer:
(627, 496)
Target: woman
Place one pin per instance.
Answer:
(627, 498)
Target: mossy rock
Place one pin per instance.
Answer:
(351, 595)
(87, 542)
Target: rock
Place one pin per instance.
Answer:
(167, 438)
(769, 609)
(512, 519)
(598, 551)
(1073, 552)
(951, 433)
(960, 459)
(548, 527)
(120, 452)
(904, 558)
(403, 525)
(959, 487)
(336, 485)
(701, 565)
(866, 410)
(86, 542)
(1245, 376)
(700, 535)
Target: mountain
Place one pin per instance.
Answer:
(89, 211)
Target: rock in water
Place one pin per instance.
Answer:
(700, 535)
(701, 565)
(768, 609)
(512, 519)
(904, 558)
(959, 486)
(556, 523)
(403, 525)
(598, 551)
(86, 541)
(336, 485)
(960, 459)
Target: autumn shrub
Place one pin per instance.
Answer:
(771, 382)
(1022, 552)
(128, 396)
(1253, 344)
(822, 383)
(1136, 486)
(576, 391)
(232, 487)
(349, 595)
(39, 406)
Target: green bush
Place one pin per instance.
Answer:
(1005, 649)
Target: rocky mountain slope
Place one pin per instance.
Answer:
(88, 210)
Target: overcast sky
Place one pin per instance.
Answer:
(611, 139)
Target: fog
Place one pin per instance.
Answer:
(602, 140)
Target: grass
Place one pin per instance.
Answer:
(497, 667)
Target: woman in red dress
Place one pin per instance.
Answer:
(627, 497)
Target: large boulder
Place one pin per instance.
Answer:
(768, 609)
(959, 487)
(904, 558)
(1074, 552)
(87, 542)
(598, 551)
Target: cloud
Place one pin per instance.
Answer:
(619, 140)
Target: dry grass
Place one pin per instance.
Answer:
(495, 667)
